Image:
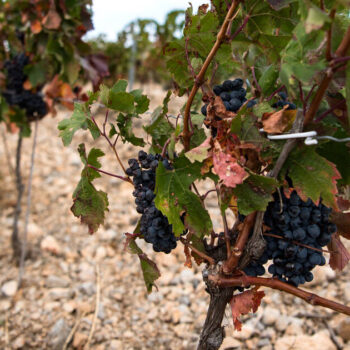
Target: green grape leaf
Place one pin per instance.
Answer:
(121, 101)
(174, 198)
(338, 153)
(149, 269)
(279, 4)
(89, 204)
(268, 79)
(120, 86)
(315, 20)
(36, 73)
(104, 94)
(177, 64)
(313, 176)
(77, 121)
(160, 129)
(142, 101)
(126, 130)
(254, 194)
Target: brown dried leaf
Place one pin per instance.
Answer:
(36, 27)
(278, 122)
(342, 220)
(243, 303)
(343, 204)
(339, 254)
(188, 262)
(227, 168)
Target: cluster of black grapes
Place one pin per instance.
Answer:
(283, 102)
(232, 94)
(154, 226)
(291, 221)
(15, 94)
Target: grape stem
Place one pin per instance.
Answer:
(246, 281)
(204, 256)
(297, 243)
(110, 174)
(186, 134)
(112, 145)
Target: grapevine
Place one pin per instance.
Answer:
(283, 194)
(246, 70)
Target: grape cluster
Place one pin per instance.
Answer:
(232, 94)
(298, 231)
(154, 226)
(283, 102)
(15, 94)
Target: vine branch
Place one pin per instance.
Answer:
(200, 77)
(245, 281)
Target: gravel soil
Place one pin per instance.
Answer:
(68, 270)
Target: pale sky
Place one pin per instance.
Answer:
(111, 16)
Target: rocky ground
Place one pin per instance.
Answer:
(68, 268)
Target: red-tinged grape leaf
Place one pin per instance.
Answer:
(89, 204)
(342, 220)
(243, 303)
(174, 198)
(278, 122)
(228, 170)
(254, 194)
(149, 268)
(313, 176)
(199, 153)
(339, 254)
(52, 20)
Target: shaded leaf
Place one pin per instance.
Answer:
(254, 194)
(243, 303)
(313, 176)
